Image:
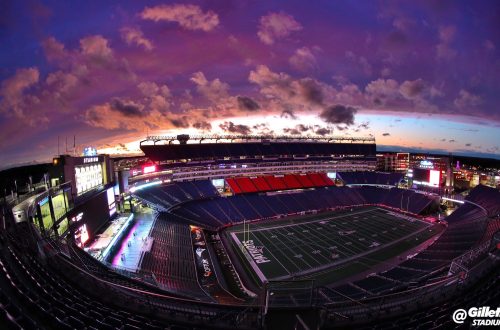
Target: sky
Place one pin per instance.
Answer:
(413, 74)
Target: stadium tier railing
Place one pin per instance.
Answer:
(192, 310)
(390, 305)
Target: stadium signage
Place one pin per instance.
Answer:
(149, 169)
(206, 267)
(90, 160)
(426, 164)
(198, 234)
(199, 251)
(77, 217)
(89, 151)
(256, 252)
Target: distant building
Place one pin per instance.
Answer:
(393, 162)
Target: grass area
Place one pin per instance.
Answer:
(327, 247)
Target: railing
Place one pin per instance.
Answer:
(464, 261)
(191, 310)
(37, 197)
(11, 201)
(374, 305)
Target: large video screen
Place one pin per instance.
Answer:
(81, 235)
(88, 177)
(435, 178)
(421, 175)
(110, 193)
(427, 177)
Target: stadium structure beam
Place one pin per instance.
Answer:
(275, 138)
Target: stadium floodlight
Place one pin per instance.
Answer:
(149, 184)
(452, 200)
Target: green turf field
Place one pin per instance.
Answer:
(327, 243)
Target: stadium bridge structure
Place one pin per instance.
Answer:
(196, 275)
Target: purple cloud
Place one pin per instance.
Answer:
(275, 26)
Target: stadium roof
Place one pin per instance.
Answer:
(184, 138)
(159, 148)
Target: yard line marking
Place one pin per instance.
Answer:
(278, 250)
(298, 247)
(312, 221)
(308, 245)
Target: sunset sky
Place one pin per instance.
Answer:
(414, 74)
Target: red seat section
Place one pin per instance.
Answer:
(305, 181)
(261, 184)
(276, 183)
(281, 182)
(317, 179)
(328, 181)
(246, 185)
(292, 182)
(234, 187)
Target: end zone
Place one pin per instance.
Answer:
(252, 254)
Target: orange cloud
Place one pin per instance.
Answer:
(134, 36)
(190, 17)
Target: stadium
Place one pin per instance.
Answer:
(247, 232)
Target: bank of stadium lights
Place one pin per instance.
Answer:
(452, 200)
(142, 186)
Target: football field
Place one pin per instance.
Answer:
(299, 247)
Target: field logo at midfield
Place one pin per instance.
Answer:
(257, 252)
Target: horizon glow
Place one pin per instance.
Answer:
(414, 75)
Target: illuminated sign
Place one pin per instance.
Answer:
(112, 211)
(89, 151)
(149, 169)
(218, 183)
(426, 164)
(87, 177)
(206, 268)
(435, 178)
(111, 196)
(90, 160)
(84, 237)
(332, 175)
(43, 201)
(111, 201)
(77, 217)
(81, 235)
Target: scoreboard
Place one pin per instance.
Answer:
(426, 177)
